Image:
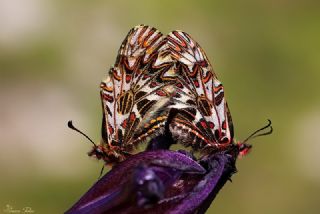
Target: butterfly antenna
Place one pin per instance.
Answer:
(71, 126)
(101, 172)
(257, 134)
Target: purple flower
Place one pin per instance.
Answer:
(160, 181)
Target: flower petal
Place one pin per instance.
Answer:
(200, 198)
(120, 185)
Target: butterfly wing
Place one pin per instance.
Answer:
(202, 118)
(137, 89)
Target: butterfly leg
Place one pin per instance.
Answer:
(101, 172)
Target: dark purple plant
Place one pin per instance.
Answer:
(160, 181)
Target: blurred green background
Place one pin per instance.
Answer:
(53, 55)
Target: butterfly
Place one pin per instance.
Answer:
(202, 117)
(199, 116)
(134, 95)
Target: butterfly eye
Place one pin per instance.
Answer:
(241, 147)
(244, 147)
(98, 151)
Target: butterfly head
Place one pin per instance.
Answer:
(98, 152)
(244, 148)
(110, 155)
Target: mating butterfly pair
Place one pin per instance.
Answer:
(163, 87)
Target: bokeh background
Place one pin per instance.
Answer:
(53, 55)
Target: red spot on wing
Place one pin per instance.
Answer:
(124, 124)
(153, 84)
(196, 83)
(224, 125)
(204, 124)
(110, 129)
(161, 93)
(211, 125)
(179, 85)
(128, 78)
(108, 98)
(132, 116)
(146, 76)
(203, 63)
